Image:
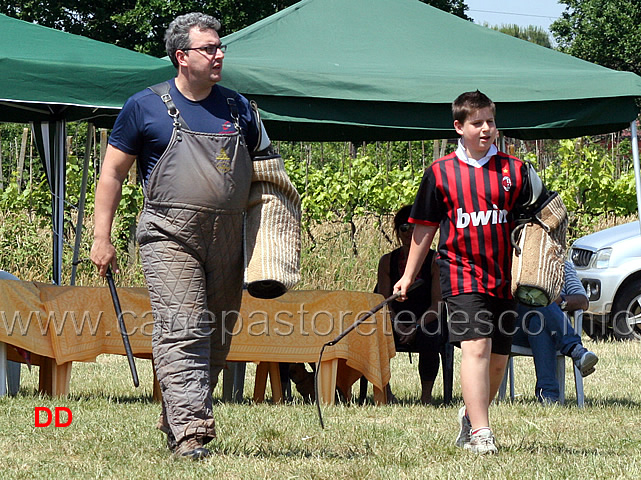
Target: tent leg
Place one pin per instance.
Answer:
(60, 160)
(50, 139)
(81, 203)
(635, 160)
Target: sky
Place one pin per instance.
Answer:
(521, 12)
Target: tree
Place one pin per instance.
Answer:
(91, 19)
(151, 17)
(606, 32)
(531, 33)
(455, 7)
(136, 24)
(140, 24)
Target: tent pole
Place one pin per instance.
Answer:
(60, 169)
(637, 170)
(81, 203)
(50, 136)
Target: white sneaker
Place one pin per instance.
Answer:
(466, 428)
(482, 442)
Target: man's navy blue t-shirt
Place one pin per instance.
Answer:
(144, 128)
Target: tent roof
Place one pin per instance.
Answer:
(46, 73)
(376, 69)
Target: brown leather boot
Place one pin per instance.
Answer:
(171, 440)
(191, 448)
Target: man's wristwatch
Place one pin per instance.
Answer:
(564, 303)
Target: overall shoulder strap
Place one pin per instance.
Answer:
(162, 90)
(233, 108)
(259, 122)
(263, 149)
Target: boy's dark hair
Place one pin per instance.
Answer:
(469, 102)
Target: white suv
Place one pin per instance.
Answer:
(609, 266)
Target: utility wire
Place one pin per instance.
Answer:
(513, 13)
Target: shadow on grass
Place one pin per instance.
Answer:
(612, 402)
(588, 403)
(289, 451)
(437, 401)
(83, 397)
(567, 451)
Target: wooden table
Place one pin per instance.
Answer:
(292, 328)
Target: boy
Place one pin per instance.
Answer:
(469, 195)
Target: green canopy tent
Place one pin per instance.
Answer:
(389, 70)
(48, 77)
(379, 69)
(332, 70)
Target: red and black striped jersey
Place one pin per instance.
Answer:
(472, 207)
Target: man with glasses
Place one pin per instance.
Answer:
(194, 141)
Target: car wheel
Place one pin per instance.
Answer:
(596, 329)
(626, 320)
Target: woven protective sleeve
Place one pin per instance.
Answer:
(538, 272)
(272, 228)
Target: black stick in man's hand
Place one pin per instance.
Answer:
(121, 325)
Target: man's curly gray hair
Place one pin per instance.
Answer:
(177, 34)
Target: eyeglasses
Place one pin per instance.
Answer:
(405, 227)
(209, 49)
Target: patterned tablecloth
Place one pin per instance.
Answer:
(72, 324)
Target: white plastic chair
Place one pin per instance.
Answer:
(519, 351)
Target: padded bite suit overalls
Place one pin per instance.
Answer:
(190, 235)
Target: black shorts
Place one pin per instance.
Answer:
(478, 315)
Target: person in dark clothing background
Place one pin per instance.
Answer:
(416, 326)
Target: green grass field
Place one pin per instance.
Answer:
(112, 434)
